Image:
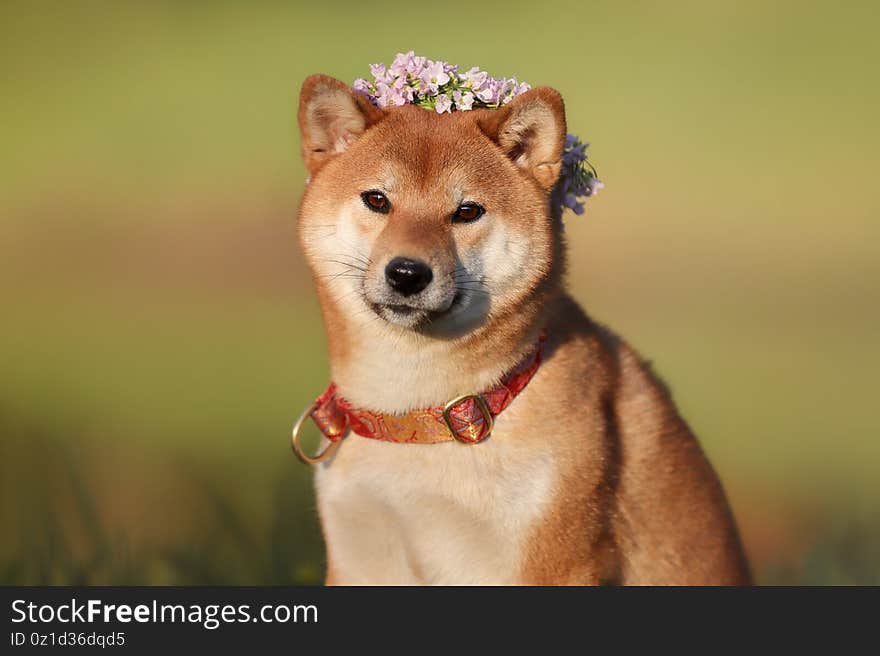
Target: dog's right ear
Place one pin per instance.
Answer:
(331, 117)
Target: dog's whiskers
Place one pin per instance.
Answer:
(358, 266)
(342, 274)
(473, 290)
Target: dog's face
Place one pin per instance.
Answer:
(427, 222)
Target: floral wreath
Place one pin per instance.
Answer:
(439, 86)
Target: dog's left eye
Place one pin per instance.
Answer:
(468, 212)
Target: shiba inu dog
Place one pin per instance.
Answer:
(545, 450)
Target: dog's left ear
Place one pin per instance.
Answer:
(331, 117)
(531, 130)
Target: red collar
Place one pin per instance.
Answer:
(467, 419)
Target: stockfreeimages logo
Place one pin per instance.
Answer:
(210, 616)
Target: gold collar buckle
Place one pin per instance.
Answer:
(472, 432)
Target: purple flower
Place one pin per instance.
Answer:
(571, 202)
(577, 181)
(443, 104)
(574, 155)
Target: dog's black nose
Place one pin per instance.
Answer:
(408, 276)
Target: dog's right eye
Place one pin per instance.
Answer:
(376, 201)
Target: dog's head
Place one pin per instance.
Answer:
(431, 223)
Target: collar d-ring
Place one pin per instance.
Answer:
(297, 446)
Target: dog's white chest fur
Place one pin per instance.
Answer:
(431, 513)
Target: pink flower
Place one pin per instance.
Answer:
(434, 76)
(361, 85)
(463, 101)
(489, 93)
(378, 71)
(443, 104)
(475, 78)
(594, 187)
(401, 62)
(507, 91)
(389, 96)
(416, 65)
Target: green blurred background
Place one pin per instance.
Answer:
(159, 332)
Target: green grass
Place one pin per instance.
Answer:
(202, 533)
(195, 527)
